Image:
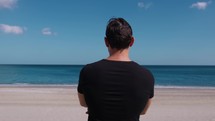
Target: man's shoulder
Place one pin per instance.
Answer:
(139, 66)
(93, 64)
(143, 70)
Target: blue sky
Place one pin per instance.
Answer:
(167, 32)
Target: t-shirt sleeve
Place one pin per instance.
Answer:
(151, 93)
(81, 82)
(152, 85)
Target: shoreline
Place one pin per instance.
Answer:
(75, 86)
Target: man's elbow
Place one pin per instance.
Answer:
(146, 107)
(82, 100)
(83, 105)
(143, 113)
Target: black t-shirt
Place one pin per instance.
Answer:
(115, 90)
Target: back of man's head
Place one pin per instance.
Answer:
(118, 33)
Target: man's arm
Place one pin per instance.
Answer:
(146, 107)
(82, 100)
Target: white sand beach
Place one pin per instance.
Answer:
(59, 103)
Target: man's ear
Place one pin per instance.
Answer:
(132, 41)
(106, 42)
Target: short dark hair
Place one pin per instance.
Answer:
(119, 33)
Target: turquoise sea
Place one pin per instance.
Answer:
(165, 76)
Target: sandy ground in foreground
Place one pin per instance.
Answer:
(61, 104)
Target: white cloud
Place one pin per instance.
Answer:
(141, 4)
(12, 29)
(200, 5)
(144, 5)
(47, 31)
(9, 4)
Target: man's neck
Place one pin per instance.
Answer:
(119, 55)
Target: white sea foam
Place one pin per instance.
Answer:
(183, 87)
